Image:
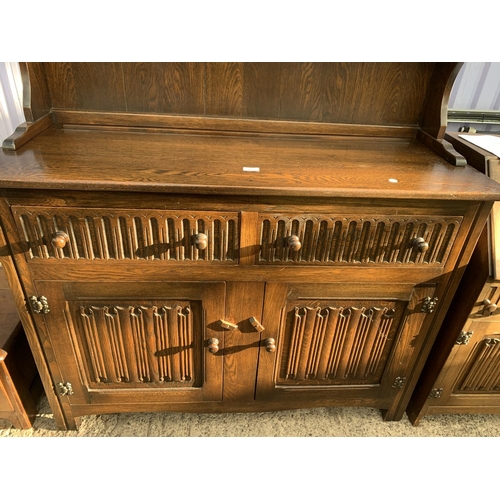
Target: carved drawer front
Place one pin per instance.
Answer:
(102, 234)
(330, 239)
(333, 343)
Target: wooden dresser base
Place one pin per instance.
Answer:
(200, 237)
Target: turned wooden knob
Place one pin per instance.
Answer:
(60, 239)
(489, 306)
(201, 241)
(294, 243)
(213, 345)
(420, 245)
(270, 345)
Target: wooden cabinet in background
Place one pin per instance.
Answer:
(462, 373)
(289, 249)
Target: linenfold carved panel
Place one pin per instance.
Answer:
(139, 345)
(161, 235)
(327, 239)
(332, 344)
(483, 374)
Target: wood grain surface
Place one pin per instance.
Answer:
(369, 93)
(190, 163)
(278, 150)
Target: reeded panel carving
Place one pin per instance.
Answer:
(165, 235)
(483, 374)
(335, 344)
(140, 345)
(381, 240)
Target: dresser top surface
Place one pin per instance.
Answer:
(106, 160)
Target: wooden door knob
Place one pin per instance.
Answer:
(270, 345)
(294, 243)
(489, 306)
(420, 245)
(60, 239)
(213, 345)
(201, 241)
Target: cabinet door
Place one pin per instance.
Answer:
(119, 343)
(345, 344)
(470, 380)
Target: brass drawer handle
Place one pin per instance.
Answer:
(294, 243)
(270, 345)
(420, 245)
(60, 239)
(201, 241)
(213, 345)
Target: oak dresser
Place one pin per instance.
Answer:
(224, 237)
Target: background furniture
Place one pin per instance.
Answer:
(20, 384)
(462, 374)
(212, 237)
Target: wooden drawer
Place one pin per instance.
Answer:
(120, 234)
(344, 239)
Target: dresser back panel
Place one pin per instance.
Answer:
(363, 93)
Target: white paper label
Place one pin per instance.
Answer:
(489, 142)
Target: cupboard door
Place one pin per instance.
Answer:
(119, 343)
(471, 376)
(341, 343)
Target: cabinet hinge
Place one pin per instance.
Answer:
(435, 393)
(399, 383)
(429, 304)
(64, 389)
(39, 305)
(463, 338)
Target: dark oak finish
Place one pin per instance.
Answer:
(176, 88)
(36, 96)
(190, 163)
(434, 117)
(237, 236)
(80, 85)
(323, 92)
(151, 122)
(26, 131)
(385, 99)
